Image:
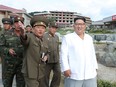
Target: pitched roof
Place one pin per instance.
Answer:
(13, 10)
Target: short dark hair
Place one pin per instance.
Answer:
(82, 18)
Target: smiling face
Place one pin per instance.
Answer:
(79, 26)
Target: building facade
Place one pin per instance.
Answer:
(107, 23)
(5, 12)
(62, 18)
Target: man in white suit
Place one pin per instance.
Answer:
(78, 59)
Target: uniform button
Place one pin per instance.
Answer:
(39, 64)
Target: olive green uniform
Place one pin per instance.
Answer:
(33, 67)
(53, 61)
(11, 65)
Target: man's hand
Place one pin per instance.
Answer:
(44, 59)
(67, 73)
(22, 28)
(12, 52)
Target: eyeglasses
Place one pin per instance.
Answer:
(80, 24)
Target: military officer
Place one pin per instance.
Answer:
(7, 23)
(36, 53)
(28, 29)
(53, 61)
(12, 54)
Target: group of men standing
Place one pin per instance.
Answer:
(11, 51)
(31, 56)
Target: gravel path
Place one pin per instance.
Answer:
(105, 73)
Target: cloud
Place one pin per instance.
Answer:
(95, 9)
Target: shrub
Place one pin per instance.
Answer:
(103, 83)
(103, 31)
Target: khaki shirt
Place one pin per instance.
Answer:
(53, 46)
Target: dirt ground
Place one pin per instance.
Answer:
(62, 82)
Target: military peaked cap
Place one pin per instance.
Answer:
(18, 18)
(7, 21)
(53, 24)
(39, 21)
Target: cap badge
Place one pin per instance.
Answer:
(18, 18)
(42, 23)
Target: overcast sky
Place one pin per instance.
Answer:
(95, 9)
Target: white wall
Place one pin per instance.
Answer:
(1, 16)
(27, 19)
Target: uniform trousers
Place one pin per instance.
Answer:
(34, 82)
(55, 80)
(11, 68)
(80, 83)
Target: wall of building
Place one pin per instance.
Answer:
(1, 16)
(62, 18)
(27, 19)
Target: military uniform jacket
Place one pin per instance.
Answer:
(53, 46)
(10, 40)
(33, 67)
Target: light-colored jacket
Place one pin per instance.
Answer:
(79, 56)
